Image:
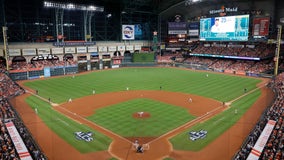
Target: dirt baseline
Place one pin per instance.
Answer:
(225, 146)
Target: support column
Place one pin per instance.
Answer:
(59, 16)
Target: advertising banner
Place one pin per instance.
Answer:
(57, 50)
(111, 48)
(92, 49)
(70, 50)
(14, 52)
(193, 29)
(29, 52)
(46, 72)
(261, 141)
(102, 48)
(43, 51)
(177, 28)
(128, 32)
(18, 142)
(129, 48)
(81, 50)
(137, 47)
(261, 26)
(121, 48)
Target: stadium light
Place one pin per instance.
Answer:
(108, 15)
(189, 2)
(72, 6)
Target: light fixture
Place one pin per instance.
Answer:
(71, 6)
(108, 15)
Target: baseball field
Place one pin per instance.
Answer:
(98, 115)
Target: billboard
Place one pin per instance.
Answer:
(261, 26)
(229, 28)
(177, 28)
(193, 29)
(128, 32)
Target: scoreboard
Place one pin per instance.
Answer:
(229, 28)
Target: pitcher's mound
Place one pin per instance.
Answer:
(141, 115)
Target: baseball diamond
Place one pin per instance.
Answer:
(170, 117)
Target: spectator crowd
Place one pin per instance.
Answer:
(274, 148)
(8, 89)
(263, 51)
(40, 64)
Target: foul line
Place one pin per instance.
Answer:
(84, 119)
(205, 116)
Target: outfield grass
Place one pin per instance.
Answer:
(217, 86)
(118, 118)
(216, 125)
(65, 127)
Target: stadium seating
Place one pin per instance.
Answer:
(274, 148)
(8, 89)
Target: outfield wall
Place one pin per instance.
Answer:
(83, 67)
(43, 73)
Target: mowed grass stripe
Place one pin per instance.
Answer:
(217, 86)
(216, 125)
(119, 119)
(65, 127)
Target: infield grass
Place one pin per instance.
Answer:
(118, 118)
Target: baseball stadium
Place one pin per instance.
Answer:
(142, 80)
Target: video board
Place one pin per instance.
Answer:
(229, 28)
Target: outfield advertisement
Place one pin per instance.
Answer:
(261, 141)
(18, 142)
(46, 72)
